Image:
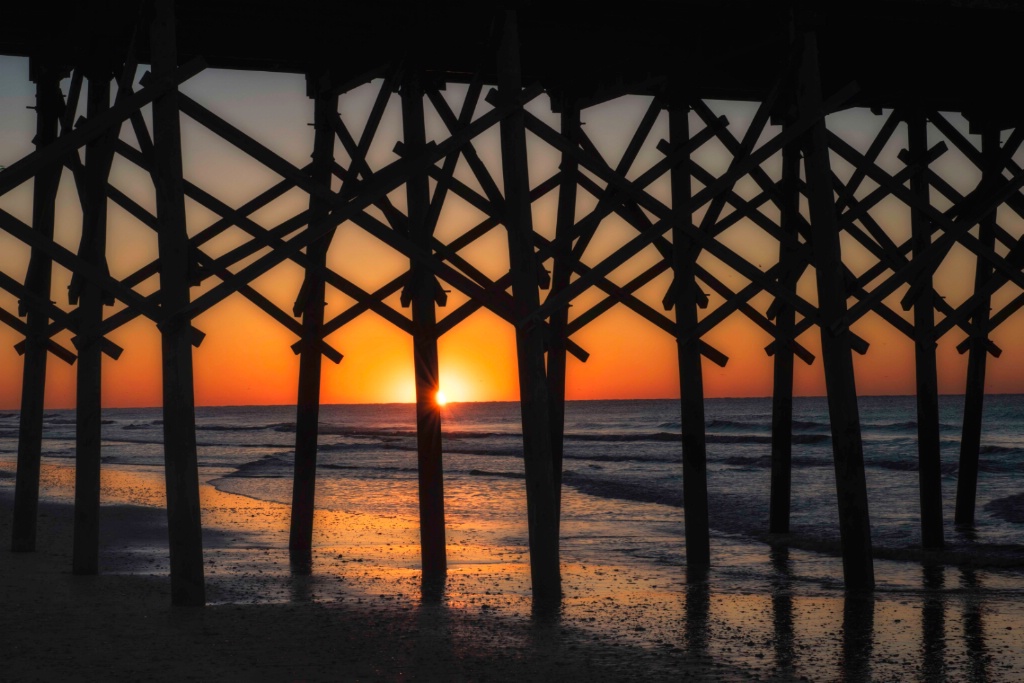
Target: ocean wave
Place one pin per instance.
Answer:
(8, 416)
(69, 420)
(267, 467)
(618, 438)
(624, 490)
(905, 425)
(1001, 450)
(505, 475)
(592, 457)
(764, 438)
(1009, 509)
(765, 461)
(810, 424)
(740, 424)
(229, 428)
(910, 465)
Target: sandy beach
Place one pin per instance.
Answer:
(366, 622)
(361, 616)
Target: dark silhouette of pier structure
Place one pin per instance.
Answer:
(911, 64)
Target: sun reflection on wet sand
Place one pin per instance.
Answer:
(959, 623)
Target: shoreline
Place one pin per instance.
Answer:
(360, 615)
(357, 618)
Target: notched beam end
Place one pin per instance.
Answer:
(576, 350)
(62, 353)
(332, 353)
(965, 346)
(111, 349)
(713, 354)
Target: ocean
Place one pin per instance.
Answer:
(623, 467)
(622, 498)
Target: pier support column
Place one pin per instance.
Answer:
(180, 458)
(785, 327)
(30, 433)
(89, 297)
(974, 395)
(311, 306)
(928, 452)
(559, 320)
(691, 377)
(423, 290)
(541, 500)
(844, 415)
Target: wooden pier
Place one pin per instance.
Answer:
(913, 66)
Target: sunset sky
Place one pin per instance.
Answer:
(246, 357)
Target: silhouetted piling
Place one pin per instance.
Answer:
(558, 323)
(844, 415)
(977, 359)
(691, 376)
(49, 101)
(423, 289)
(311, 306)
(89, 297)
(533, 389)
(785, 325)
(180, 456)
(928, 453)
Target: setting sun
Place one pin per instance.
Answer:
(440, 398)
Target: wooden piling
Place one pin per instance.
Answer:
(785, 327)
(844, 415)
(89, 297)
(691, 378)
(423, 292)
(974, 394)
(928, 451)
(30, 433)
(311, 306)
(558, 322)
(533, 389)
(180, 457)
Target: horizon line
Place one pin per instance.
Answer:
(578, 400)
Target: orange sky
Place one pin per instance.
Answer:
(246, 357)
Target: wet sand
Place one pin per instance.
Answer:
(361, 616)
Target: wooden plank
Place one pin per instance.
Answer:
(691, 377)
(534, 399)
(180, 457)
(592, 313)
(383, 182)
(212, 266)
(21, 326)
(844, 416)
(926, 375)
(307, 419)
(985, 199)
(54, 153)
(639, 220)
(974, 394)
(74, 263)
(476, 165)
(30, 419)
(650, 203)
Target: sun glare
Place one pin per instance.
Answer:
(440, 398)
